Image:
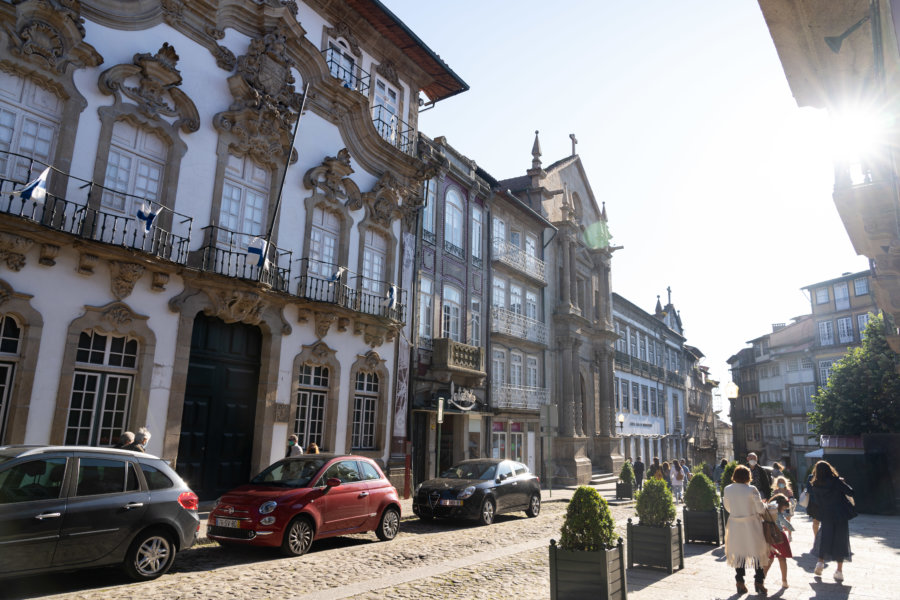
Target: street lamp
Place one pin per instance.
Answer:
(691, 449)
(621, 420)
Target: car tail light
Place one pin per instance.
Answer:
(188, 500)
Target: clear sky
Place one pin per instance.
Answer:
(715, 182)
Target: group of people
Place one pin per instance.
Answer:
(745, 543)
(136, 442)
(295, 449)
(676, 475)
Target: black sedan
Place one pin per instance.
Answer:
(480, 489)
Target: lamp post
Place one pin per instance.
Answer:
(440, 420)
(690, 451)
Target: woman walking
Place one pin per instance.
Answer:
(744, 541)
(667, 474)
(828, 499)
(678, 478)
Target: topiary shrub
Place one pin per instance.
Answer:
(627, 473)
(588, 525)
(701, 493)
(655, 507)
(727, 474)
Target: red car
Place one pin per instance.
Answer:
(305, 498)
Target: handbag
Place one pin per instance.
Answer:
(850, 508)
(804, 499)
(771, 531)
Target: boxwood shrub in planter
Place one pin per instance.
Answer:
(588, 562)
(625, 485)
(703, 520)
(655, 541)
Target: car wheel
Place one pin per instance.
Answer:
(149, 556)
(389, 525)
(488, 508)
(534, 506)
(298, 537)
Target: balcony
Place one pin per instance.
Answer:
(394, 130)
(771, 409)
(451, 358)
(227, 253)
(103, 225)
(516, 258)
(866, 203)
(352, 292)
(518, 326)
(519, 397)
(798, 409)
(352, 77)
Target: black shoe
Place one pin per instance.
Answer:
(741, 588)
(761, 589)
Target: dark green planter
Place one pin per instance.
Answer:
(657, 547)
(590, 575)
(624, 490)
(707, 526)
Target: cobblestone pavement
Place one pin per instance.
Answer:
(453, 560)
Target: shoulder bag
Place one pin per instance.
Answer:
(771, 531)
(804, 499)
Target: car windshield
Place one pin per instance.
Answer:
(473, 470)
(295, 472)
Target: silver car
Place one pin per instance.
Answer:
(73, 507)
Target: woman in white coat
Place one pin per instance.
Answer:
(744, 541)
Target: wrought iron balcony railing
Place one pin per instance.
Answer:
(351, 75)
(394, 130)
(229, 253)
(166, 236)
(324, 282)
(518, 326)
(519, 396)
(517, 258)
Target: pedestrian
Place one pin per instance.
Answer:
(124, 440)
(141, 439)
(678, 479)
(293, 447)
(759, 476)
(638, 473)
(780, 508)
(783, 487)
(777, 471)
(687, 470)
(667, 474)
(744, 541)
(719, 471)
(654, 468)
(829, 494)
(313, 448)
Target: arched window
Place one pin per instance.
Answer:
(365, 405)
(10, 342)
(342, 63)
(134, 169)
(453, 223)
(451, 311)
(245, 199)
(374, 268)
(100, 400)
(312, 396)
(323, 242)
(29, 124)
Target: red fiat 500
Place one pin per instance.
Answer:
(305, 498)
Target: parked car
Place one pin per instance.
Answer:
(304, 498)
(479, 488)
(71, 507)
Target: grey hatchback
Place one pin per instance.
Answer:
(71, 507)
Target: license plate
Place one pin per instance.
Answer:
(445, 502)
(234, 523)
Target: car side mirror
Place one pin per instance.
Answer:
(332, 482)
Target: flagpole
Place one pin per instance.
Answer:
(287, 162)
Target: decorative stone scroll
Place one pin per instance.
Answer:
(331, 183)
(12, 250)
(265, 104)
(342, 30)
(236, 306)
(51, 34)
(123, 277)
(151, 82)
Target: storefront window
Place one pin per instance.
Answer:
(498, 440)
(516, 442)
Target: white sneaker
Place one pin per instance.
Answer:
(819, 567)
(838, 576)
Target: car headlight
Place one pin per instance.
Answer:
(267, 507)
(466, 493)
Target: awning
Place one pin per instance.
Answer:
(818, 453)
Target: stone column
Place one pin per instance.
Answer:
(566, 406)
(573, 275)
(566, 298)
(577, 396)
(606, 408)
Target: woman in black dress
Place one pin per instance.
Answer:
(828, 500)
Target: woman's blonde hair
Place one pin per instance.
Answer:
(787, 483)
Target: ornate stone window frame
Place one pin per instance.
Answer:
(31, 323)
(116, 318)
(144, 106)
(370, 362)
(319, 354)
(383, 205)
(46, 44)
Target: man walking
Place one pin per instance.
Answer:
(759, 478)
(638, 473)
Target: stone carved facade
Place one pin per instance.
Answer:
(123, 277)
(51, 34)
(12, 250)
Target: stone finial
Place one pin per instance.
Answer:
(603, 213)
(574, 142)
(536, 152)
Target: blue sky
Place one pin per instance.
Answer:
(715, 182)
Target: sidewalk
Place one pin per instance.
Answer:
(874, 539)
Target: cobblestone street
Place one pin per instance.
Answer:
(455, 560)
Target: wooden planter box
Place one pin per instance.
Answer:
(590, 575)
(624, 490)
(658, 547)
(707, 526)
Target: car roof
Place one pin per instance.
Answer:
(19, 450)
(326, 456)
(495, 461)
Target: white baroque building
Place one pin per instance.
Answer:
(232, 188)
